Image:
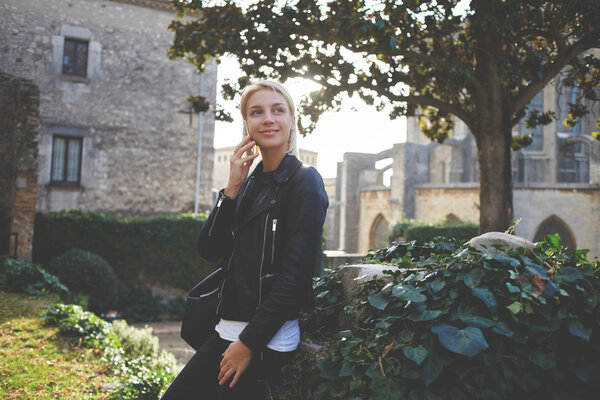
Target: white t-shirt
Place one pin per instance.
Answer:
(286, 338)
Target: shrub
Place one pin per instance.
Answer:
(136, 342)
(31, 279)
(138, 304)
(399, 230)
(462, 231)
(81, 327)
(144, 378)
(460, 324)
(160, 249)
(145, 373)
(87, 273)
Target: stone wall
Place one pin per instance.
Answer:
(19, 100)
(374, 204)
(350, 181)
(578, 207)
(139, 145)
(435, 202)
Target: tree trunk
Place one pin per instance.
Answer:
(495, 178)
(492, 123)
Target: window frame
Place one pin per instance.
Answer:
(64, 182)
(75, 59)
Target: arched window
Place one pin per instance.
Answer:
(379, 233)
(552, 225)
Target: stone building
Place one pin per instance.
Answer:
(556, 182)
(115, 128)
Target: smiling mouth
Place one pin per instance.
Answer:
(269, 132)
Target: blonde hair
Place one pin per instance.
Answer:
(276, 87)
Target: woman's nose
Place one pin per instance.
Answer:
(268, 117)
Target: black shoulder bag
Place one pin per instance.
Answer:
(200, 317)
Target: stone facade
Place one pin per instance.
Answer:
(375, 219)
(130, 112)
(556, 182)
(436, 202)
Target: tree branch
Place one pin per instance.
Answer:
(526, 94)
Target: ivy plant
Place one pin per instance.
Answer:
(457, 323)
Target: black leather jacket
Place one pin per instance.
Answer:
(270, 256)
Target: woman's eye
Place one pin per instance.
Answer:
(280, 110)
(254, 112)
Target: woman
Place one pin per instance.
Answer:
(266, 228)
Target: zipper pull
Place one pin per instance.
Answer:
(274, 225)
(219, 202)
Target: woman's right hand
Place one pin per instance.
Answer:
(239, 165)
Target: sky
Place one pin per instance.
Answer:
(365, 130)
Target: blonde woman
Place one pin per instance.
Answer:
(266, 228)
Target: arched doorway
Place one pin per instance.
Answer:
(552, 225)
(380, 230)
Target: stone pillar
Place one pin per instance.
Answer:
(19, 118)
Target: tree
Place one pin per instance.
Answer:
(430, 59)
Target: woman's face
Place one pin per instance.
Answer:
(269, 120)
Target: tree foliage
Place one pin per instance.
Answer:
(435, 60)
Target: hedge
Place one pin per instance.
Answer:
(140, 250)
(412, 230)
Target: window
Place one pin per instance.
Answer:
(75, 58)
(537, 133)
(66, 160)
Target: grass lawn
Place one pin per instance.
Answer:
(36, 363)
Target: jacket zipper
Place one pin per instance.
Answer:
(262, 260)
(215, 218)
(223, 284)
(273, 241)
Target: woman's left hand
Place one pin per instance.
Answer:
(235, 361)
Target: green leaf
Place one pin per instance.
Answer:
(515, 307)
(417, 354)
(467, 342)
(555, 241)
(408, 293)
(328, 369)
(430, 370)
(425, 315)
(379, 301)
(503, 259)
(373, 370)
(479, 322)
(471, 278)
(503, 329)
(571, 274)
(577, 329)
(346, 369)
(542, 360)
(384, 388)
(512, 288)
(437, 285)
(486, 296)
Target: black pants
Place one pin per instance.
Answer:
(198, 379)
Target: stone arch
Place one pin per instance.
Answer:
(554, 224)
(380, 229)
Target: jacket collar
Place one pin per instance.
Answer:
(269, 198)
(284, 171)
